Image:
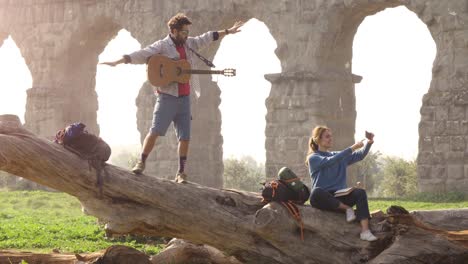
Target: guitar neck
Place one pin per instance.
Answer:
(202, 72)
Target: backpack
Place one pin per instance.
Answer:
(277, 191)
(289, 191)
(288, 187)
(290, 178)
(87, 146)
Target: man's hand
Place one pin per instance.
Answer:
(113, 63)
(110, 63)
(370, 137)
(234, 29)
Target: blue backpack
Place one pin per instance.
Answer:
(64, 136)
(73, 131)
(87, 146)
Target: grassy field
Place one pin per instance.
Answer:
(383, 204)
(41, 221)
(422, 201)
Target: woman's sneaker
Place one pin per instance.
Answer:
(350, 216)
(368, 236)
(139, 167)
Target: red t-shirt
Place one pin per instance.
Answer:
(184, 88)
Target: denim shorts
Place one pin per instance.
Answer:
(169, 109)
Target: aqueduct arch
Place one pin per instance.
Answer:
(61, 40)
(16, 78)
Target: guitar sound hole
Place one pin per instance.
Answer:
(179, 71)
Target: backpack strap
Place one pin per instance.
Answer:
(294, 211)
(59, 136)
(99, 166)
(290, 180)
(93, 163)
(274, 186)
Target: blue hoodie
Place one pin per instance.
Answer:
(328, 169)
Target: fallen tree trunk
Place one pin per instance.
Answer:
(179, 251)
(234, 222)
(112, 255)
(9, 257)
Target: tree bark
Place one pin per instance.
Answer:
(9, 257)
(179, 251)
(234, 222)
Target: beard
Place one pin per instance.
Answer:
(180, 40)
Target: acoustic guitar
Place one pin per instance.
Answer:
(163, 70)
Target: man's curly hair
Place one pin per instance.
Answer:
(178, 21)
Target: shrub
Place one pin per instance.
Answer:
(398, 177)
(244, 174)
(368, 171)
(449, 197)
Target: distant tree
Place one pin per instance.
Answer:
(368, 171)
(125, 158)
(243, 174)
(6, 179)
(15, 183)
(399, 177)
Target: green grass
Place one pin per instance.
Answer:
(41, 221)
(422, 201)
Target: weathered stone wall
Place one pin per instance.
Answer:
(317, 85)
(443, 130)
(61, 41)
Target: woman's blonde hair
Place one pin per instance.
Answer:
(316, 135)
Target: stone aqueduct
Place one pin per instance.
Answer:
(62, 39)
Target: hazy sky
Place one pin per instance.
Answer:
(393, 51)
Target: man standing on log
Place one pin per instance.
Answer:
(173, 102)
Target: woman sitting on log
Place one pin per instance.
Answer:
(328, 172)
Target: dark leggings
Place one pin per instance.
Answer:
(321, 199)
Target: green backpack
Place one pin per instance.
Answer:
(286, 175)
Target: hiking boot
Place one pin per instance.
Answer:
(367, 236)
(139, 167)
(180, 177)
(350, 216)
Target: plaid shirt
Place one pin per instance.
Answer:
(166, 47)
